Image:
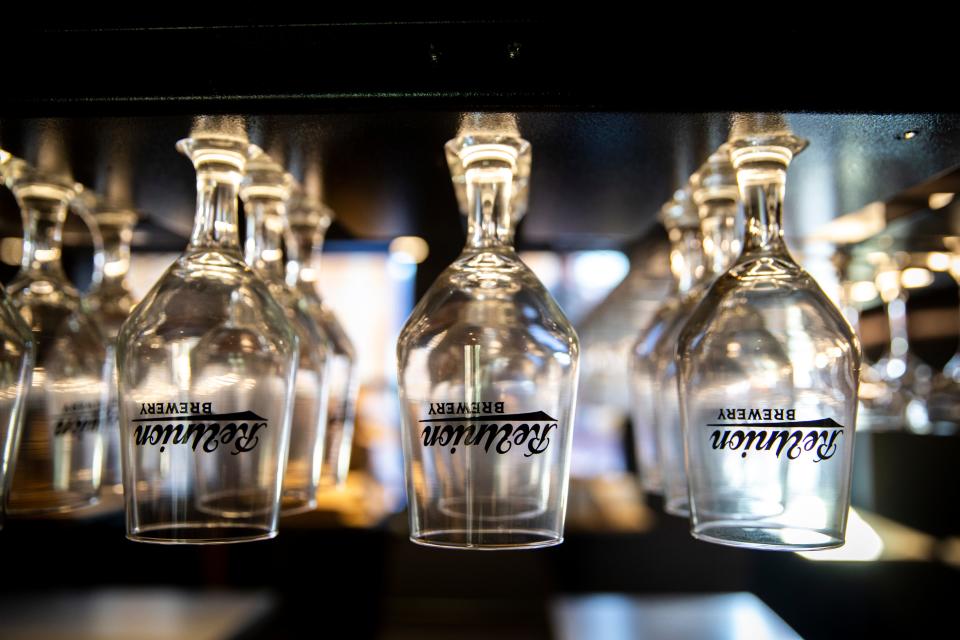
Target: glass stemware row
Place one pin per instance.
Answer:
(213, 390)
(757, 446)
(228, 391)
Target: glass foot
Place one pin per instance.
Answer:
(236, 504)
(48, 503)
(294, 502)
(198, 533)
(764, 536)
(488, 539)
(678, 507)
(492, 509)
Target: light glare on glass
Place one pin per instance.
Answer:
(937, 261)
(863, 291)
(409, 249)
(916, 278)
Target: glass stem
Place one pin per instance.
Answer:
(720, 237)
(490, 220)
(216, 225)
(762, 186)
(304, 241)
(115, 259)
(686, 257)
(43, 219)
(265, 236)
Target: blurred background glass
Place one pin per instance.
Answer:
(61, 448)
(110, 301)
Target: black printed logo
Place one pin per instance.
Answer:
(78, 418)
(774, 431)
(498, 432)
(201, 430)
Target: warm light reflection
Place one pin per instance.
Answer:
(937, 261)
(409, 249)
(46, 255)
(888, 283)
(41, 288)
(271, 255)
(224, 227)
(116, 268)
(939, 200)
(863, 544)
(916, 278)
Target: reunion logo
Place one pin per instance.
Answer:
(490, 429)
(78, 418)
(774, 431)
(196, 426)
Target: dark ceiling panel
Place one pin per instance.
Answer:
(588, 59)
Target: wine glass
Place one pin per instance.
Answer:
(487, 371)
(308, 221)
(110, 300)
(265, 191)
(59, 463)
(207, 364)
(769, 406)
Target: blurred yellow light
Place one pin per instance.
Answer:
(939, 200)
(938, 261)
(878, 257)
(909, 135)
(409, 249)
(863, 291)
(307, 274)
(270, 255)
(116, 268)
(888, 281)
(916, 278)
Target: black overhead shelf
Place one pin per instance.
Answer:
(274, 61)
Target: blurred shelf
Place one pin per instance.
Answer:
(691, 617)
(134, 614)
